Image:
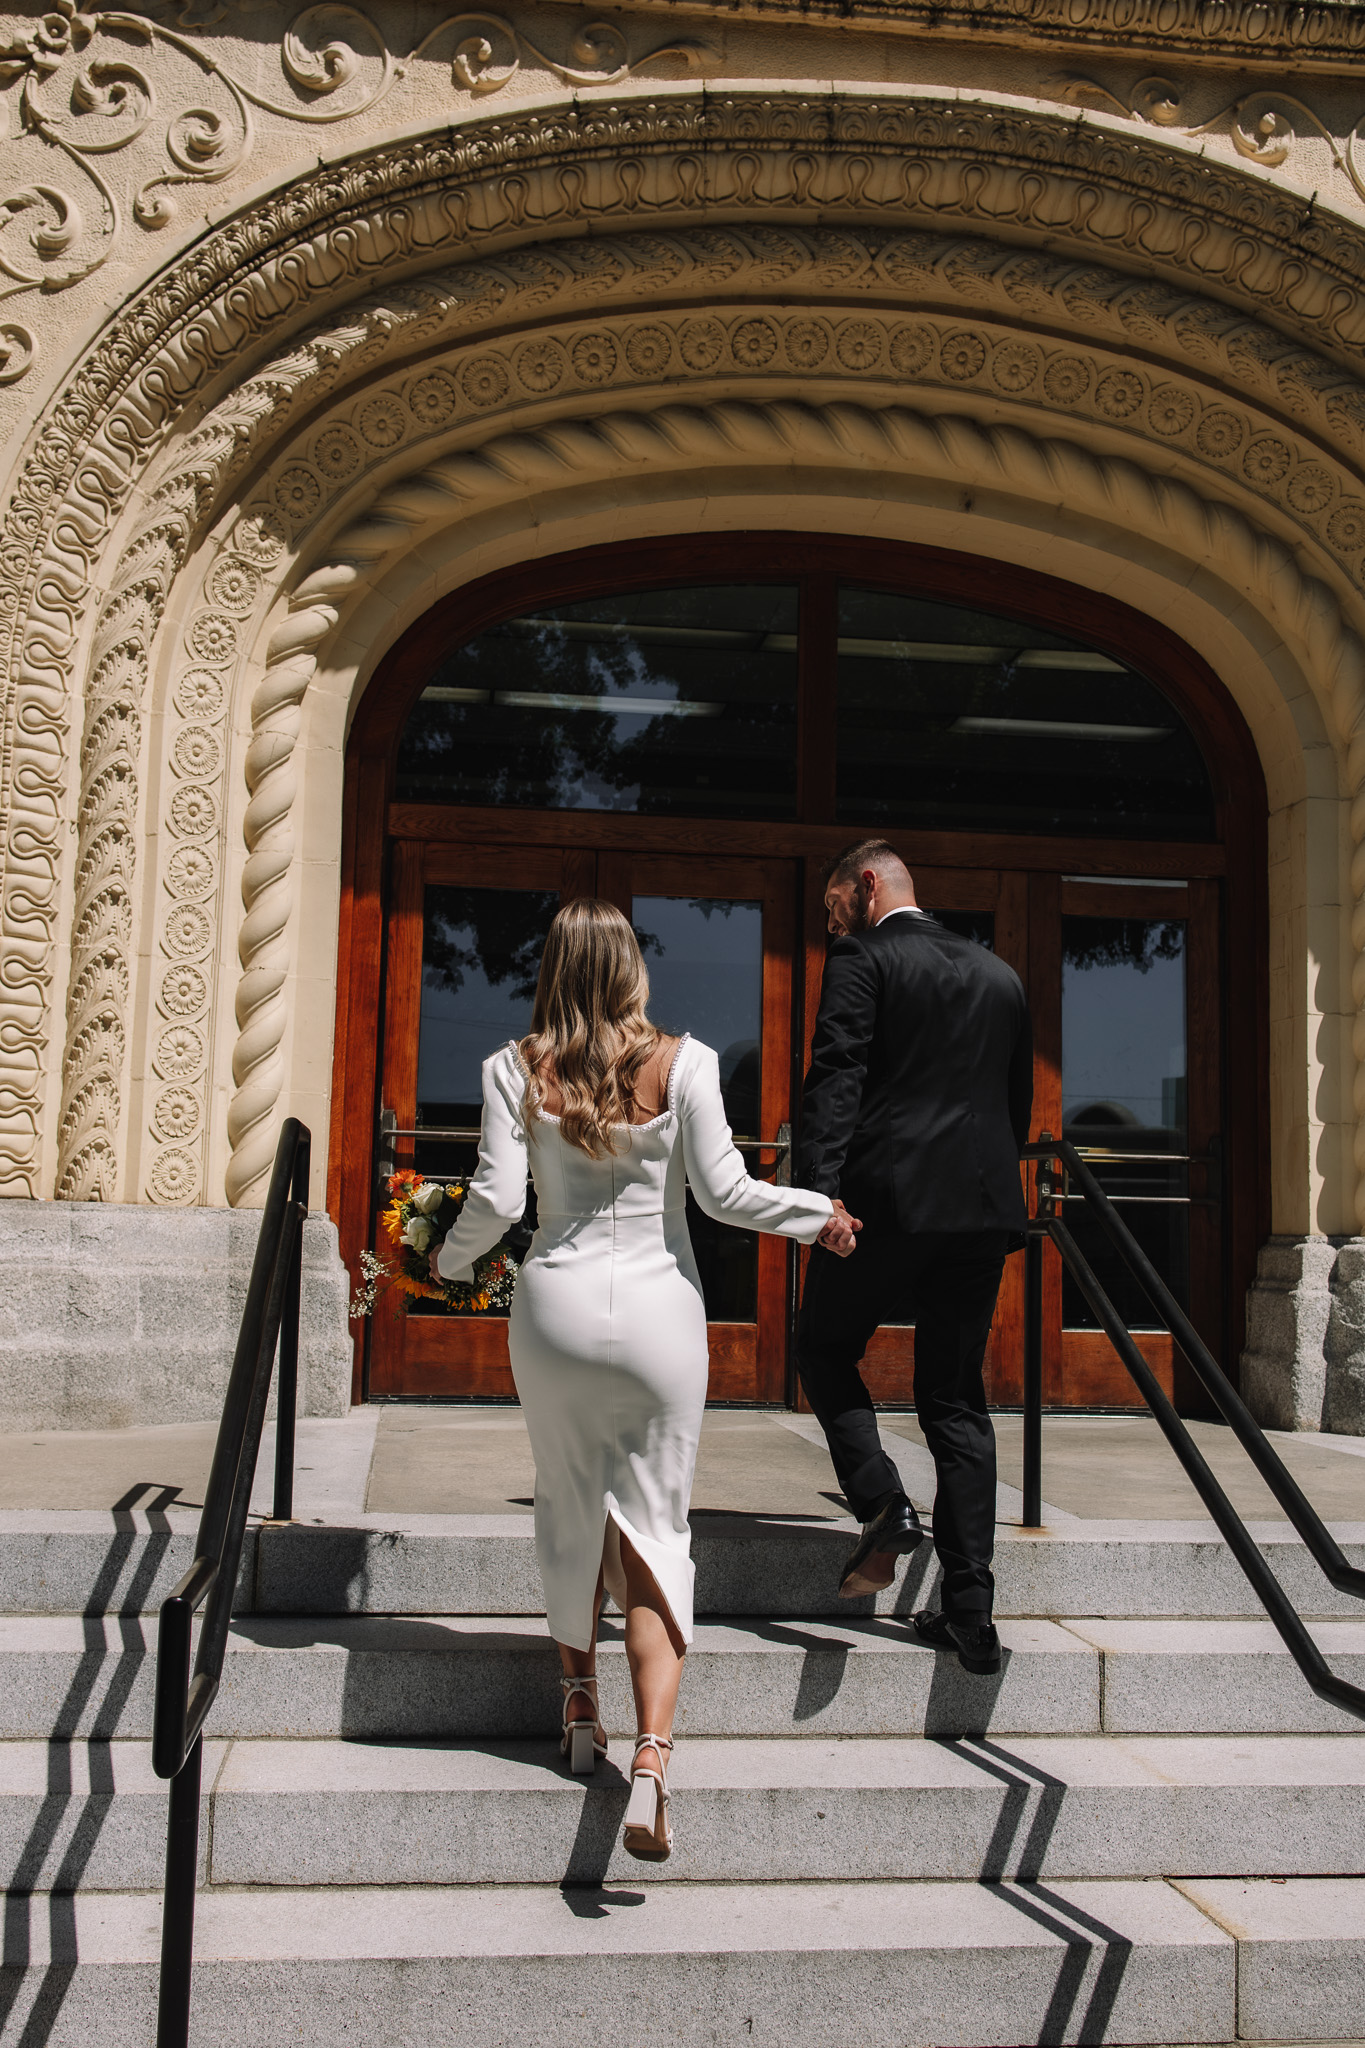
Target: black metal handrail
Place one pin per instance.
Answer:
(1304, 1517)
(270, 1317)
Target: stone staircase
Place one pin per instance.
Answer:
(1146, 1829)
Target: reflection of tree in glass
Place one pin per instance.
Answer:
(1121, 941)
(496, 933)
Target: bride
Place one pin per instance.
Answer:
(608, 1327)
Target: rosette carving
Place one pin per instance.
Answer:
(957, 193)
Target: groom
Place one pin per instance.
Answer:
(916, 1104)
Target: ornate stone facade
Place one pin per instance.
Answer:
(548, 264)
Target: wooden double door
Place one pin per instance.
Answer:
(1122, 976)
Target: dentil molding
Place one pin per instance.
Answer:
(1278, 301)
(1328, 35)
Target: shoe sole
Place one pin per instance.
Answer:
(853, 1586)
(980, 1667)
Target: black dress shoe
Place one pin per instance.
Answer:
(891, 1533)
(976, 1643)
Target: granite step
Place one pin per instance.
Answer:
(962, 1965)
(92, 1816)
(98, 1563)
(497, 1677)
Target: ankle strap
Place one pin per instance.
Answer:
(570, 1686)
(652, 1742)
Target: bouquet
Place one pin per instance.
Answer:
(419, 1214)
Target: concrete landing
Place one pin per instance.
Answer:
(411, 1459)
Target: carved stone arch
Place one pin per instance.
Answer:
(360, 577)
(1278, 309)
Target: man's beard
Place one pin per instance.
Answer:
(858, 917)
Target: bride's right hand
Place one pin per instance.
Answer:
(838, 1235)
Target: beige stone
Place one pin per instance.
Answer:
(270, 393)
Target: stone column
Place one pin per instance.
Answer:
(1304, 1363)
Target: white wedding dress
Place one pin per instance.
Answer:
(608, 1327)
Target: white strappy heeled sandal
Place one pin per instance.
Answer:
(579, 1739)
(647, 1833)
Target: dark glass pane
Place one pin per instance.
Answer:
(480, 957)
(950, 717)
(678, 702)
(1123, 1096)
(705, 960)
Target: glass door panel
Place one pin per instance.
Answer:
(465, 934)
(1124, 1073)
(705, 960)
(717, 938)
(1140, 1098)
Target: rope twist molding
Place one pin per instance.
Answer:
(925, 172)
(263, 945)
(897, 440)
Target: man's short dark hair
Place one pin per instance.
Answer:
(867, 853)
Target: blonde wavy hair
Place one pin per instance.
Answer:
(589, 1029)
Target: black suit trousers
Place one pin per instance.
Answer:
(945, 1282)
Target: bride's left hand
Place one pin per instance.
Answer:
(432, 1266)
(838, 1235)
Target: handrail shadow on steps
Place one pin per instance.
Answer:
(1317, 1537)
(270, 1317)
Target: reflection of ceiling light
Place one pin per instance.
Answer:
(962, 651)
(619, 707)
(560, 700)
(1059, 729)
(650, 636)
(1127, 882)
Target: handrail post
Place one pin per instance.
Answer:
(287, 1382)
(1033, 1349)
(177, 1913)
(270, 1321)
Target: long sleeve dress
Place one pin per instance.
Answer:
(608, 1328)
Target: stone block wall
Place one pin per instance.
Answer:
(1304, 1365)
(114, 1314)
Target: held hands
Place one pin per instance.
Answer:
(432, 1266)
(839, 1234)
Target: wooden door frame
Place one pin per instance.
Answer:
(1236, 859)
(410, 1350)
(735, 1354)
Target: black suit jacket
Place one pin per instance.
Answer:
(921, 1081)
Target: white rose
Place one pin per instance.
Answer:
(418, 1233)
(428, 1197)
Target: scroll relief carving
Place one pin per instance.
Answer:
(1263, 126)
(1245, 31)
(949, 169)
(82, 96)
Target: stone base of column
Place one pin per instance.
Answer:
(114, 1315)
(1304, 1363)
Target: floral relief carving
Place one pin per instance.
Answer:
(1299, 366)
